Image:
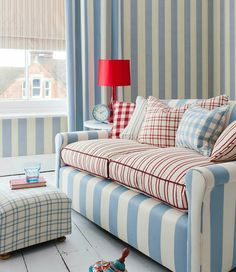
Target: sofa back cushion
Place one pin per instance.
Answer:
(200, 128)
(162, 119)
(122, 112)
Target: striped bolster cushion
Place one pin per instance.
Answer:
(225, 146)
(133, 128)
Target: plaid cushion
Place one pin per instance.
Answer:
(200, 128)
(122, 113)
(93, 156)
(162, 121)
(225, 146)
(159, 172)
(32, 216)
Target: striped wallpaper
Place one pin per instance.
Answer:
(29, 136)
(178, 48)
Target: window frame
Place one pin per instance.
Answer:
(32, 87)
(49, 88)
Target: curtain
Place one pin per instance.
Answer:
(32, 24)
(93, 30)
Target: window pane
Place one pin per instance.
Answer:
(36, 92)
(36, 82)
(23, 70)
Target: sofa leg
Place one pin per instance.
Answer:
(5, 256)
(61, 239)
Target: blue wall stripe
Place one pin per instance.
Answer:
(39, 135)
(161, 49)
(222, 46)
(6, 138)
(232, 49)
(97, 196)
(132, 218)
(216, 217)
(113, 208)
(199, 47)
(82, 194)
(22, 137)
(148, 46)
(115, 29)
(134, 51)
(174, 49)
(154, 232)
(181, 243)
(56, 128)
(97, 47)
(187, 37)
(210, 49)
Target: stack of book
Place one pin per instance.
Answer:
(21, 183)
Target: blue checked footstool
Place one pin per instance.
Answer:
(32, 216)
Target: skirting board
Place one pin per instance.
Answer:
(15, 165)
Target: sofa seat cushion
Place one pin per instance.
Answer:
(158, 173)
(93, 156)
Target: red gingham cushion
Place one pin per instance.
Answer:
(122, 113)
(161, 121)
(158, 173)
(225, 146)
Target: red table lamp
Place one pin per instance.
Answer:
(113, 73)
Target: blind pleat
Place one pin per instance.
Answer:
(32, 24)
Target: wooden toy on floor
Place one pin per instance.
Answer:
(116, 266)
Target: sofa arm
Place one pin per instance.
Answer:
(211, 193)
(63, 139)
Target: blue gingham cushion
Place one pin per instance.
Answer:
(200, 128)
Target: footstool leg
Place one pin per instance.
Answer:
(5, 256)
(61, 239)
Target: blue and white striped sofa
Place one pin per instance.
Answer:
(203, 239)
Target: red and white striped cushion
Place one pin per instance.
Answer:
(93, 156)
(122, 113)
(225, 146)
(161, 121)
(159, 173)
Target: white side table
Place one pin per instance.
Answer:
(93, 124)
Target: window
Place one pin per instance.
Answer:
(47, 89)
(36, 88)
(29, 57)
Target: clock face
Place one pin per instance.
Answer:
(101, 112)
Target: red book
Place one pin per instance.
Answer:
(22, 183)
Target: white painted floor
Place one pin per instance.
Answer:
(87, 244)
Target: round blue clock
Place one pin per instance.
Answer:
(101, 113)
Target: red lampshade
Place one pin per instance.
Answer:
(113, 72)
